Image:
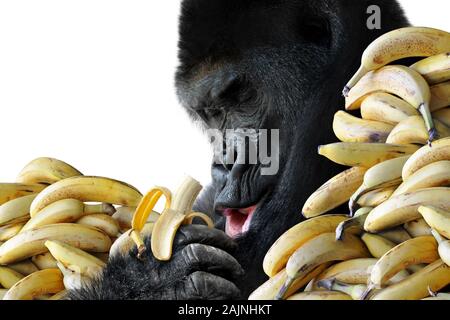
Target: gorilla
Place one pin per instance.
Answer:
(262, 64)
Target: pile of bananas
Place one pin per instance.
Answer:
(393, 245)
(58, 228)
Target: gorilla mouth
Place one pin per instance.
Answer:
(238, 220)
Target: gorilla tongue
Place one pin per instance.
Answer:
(238, 220)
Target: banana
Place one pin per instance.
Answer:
(320, 296)
(24, 267)
(103, 222)
(270, 289)
(364, 154)
(434, 69)
(8, 232)
(124, 244)
(404, 208)
(400, 81)
(413, 131)
(354, 271)
(436, 174)
(418, 228)
(383, 175)
(399, 44)
(434, 276)
(11, 191)
(440, 96)
(294, 238)
(176, 212)
(44, 261)
(376, 197)
(348, 128)
(412, 252)
(124, 216)
(59, 296)
(355, 291)
(384, 107)
(396, 235)
(2, 293)
(322, 249)
(87, 189)
(9, 277)
(36, 284)
(444, 247)
(31, 242)
(443, 116)
(377, 245)
(437, 219)
(75, 259)
(46, 171)
(16, 211)
(101, 208)
(334, 192)
(357, 222)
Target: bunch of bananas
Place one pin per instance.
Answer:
(393, 243)
(58, 228)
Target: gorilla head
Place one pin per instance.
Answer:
(252, 64)
(271, 64)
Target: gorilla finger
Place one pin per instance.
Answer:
(204, 235)
(206, 286)
(212, 260)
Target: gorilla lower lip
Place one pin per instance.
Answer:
(238, 220)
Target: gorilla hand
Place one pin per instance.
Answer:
(201, 268)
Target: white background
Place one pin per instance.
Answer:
(91, 82)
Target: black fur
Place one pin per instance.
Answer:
(273, 64)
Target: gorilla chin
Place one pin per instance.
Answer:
(252, 64)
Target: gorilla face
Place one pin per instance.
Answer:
(270, 64)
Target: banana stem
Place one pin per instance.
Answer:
(362, 71)
(437, 236)
(424, 110)
(284, 288)
(353, 222)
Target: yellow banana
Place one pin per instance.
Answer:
(404, 208)
(356, 222)
(443, 116)
(75, 259)
(377, 245)
(87, 189)
(11, 191)
(436, 174)
(294, 238)
(413, 131)
(9, 277)
(270, 289)
(434, 69)
(364, 154)
(322, 249)
(59, 296)
(444, 247)
(384, 175)
(348, 128)
(434, 276)
(356, 271)
(399, 44)
(355, 291)
(36, 284)
(418, 228)
(440, 96)
(124, 216)
(437, 219)
(2, 293)
(124, 244)
(46, 171)
(412, 252)
(376, 197)
(384, 107)
(44, 261)
(396, 235)
(334, 192)
(24, 267)
(16, 211)
(8, 232)
(103, 222)
(400, 81)
(31, 242)
(320, 296)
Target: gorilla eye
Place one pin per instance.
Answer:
(315, 30)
